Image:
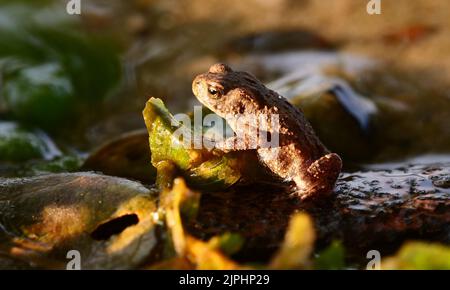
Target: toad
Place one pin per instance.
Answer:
(244, 102)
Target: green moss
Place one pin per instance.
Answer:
(17, 145)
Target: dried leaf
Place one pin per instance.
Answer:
(107, 219)
(297, 246)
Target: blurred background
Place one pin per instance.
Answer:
(375, 87)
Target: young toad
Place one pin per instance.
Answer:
(300, 156)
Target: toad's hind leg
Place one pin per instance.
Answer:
(320, 177)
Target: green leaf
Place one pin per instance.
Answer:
(332, 258)
(227, 243)
(419, 256)
(200, 168)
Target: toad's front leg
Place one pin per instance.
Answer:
(237, 143)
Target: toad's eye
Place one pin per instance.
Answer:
(213, 91)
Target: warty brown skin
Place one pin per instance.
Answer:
(300, 156)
